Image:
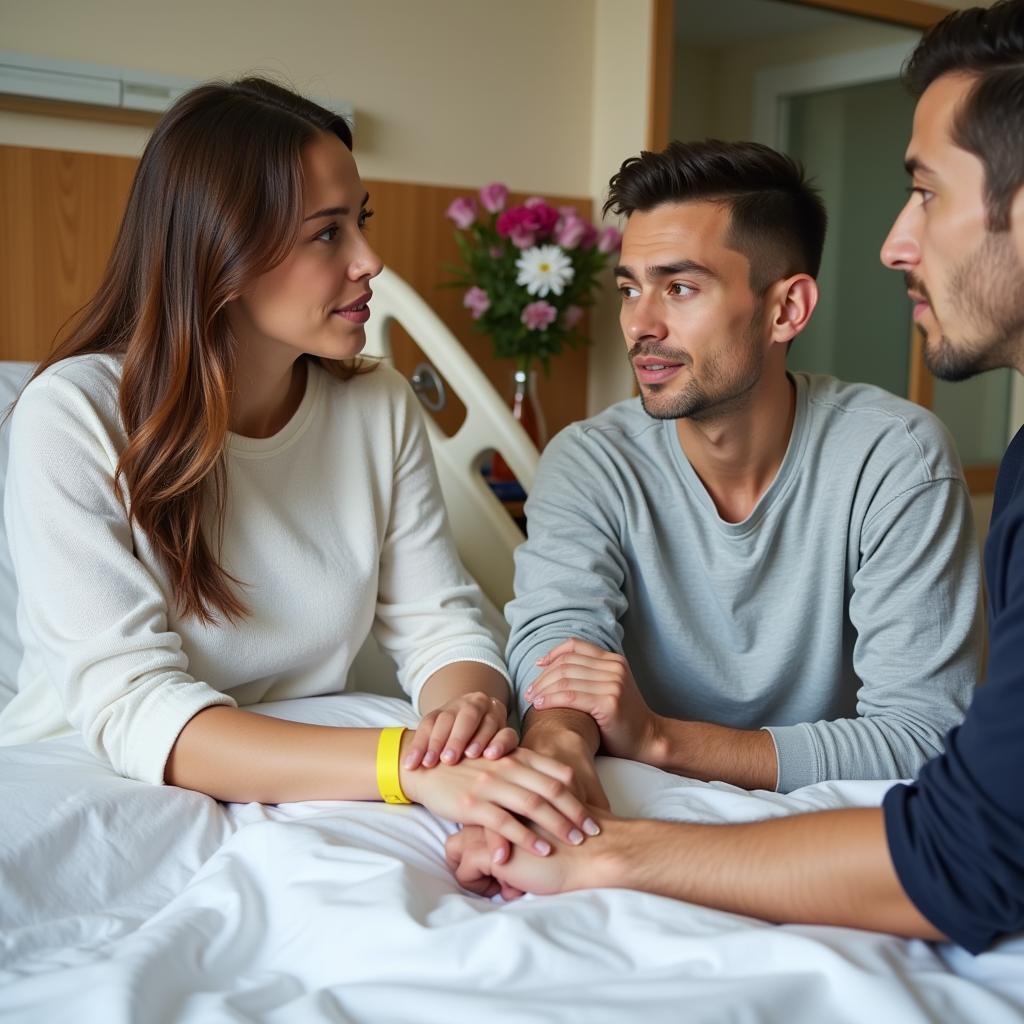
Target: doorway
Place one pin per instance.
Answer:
(823, 86)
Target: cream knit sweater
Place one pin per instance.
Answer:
(335, 525)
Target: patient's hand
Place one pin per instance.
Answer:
(472, 724)
(554, 736)
(475, 853)
(472, 855)
(581, 676)
(471, 859)
(516, 796)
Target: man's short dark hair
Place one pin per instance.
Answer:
(777, 219)
(987, 43)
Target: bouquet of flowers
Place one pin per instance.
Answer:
(530, 271)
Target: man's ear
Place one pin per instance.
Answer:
(795, 299)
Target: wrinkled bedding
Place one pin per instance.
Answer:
(123, 902)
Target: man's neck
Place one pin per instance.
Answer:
(738, 455)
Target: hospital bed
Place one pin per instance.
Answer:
(124, 902)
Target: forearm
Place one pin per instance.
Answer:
(714, 753)
(462, 677)
(240, 756)
(830, 867)
(546, 731)
(571, 737)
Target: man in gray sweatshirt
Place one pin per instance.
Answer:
(744, 574)
(944, 856)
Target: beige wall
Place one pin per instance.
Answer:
(622, 48)
(449, 92)
(546, 95)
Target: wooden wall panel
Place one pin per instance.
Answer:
(921, 387)
(59, 212)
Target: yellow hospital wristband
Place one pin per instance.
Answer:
(388, 749)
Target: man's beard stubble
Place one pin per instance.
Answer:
(987, 292)
(715, 394)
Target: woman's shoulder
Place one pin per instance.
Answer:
(95, 376)
(82, 388)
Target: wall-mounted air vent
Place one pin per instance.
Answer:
(44, 78)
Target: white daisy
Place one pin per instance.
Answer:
(544, 269)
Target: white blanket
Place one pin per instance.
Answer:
(126, 902)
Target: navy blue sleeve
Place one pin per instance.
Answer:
(956, 835)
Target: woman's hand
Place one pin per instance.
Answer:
(496, 793)
(562, 745)
(472, 724)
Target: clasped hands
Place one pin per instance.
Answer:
(462, 763)
(579, 676)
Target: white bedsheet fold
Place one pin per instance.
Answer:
(123, 902)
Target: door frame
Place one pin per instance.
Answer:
(775, 84)
(910, 13)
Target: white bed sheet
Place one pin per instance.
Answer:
(123, 902)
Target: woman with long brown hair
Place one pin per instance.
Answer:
(211, 499)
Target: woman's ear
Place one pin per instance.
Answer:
(796, 298)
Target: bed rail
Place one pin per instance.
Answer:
(484, 532)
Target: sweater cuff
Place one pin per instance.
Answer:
(528, 670)
(797, 756)
(482, 656)
(158, 723)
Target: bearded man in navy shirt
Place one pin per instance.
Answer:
(944, 856)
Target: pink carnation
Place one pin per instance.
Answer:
(527, 224)
(522, 237)
(547, 218)
(462, 212)
(493, 197)
(516, 225)
(572, 316)
(569, 231)
(477, 301)
(609, 240)
(539, 315)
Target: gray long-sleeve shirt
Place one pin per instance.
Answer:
(842, 614)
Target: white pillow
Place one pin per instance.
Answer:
(12, 378)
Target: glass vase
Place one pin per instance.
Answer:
(526, 409)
